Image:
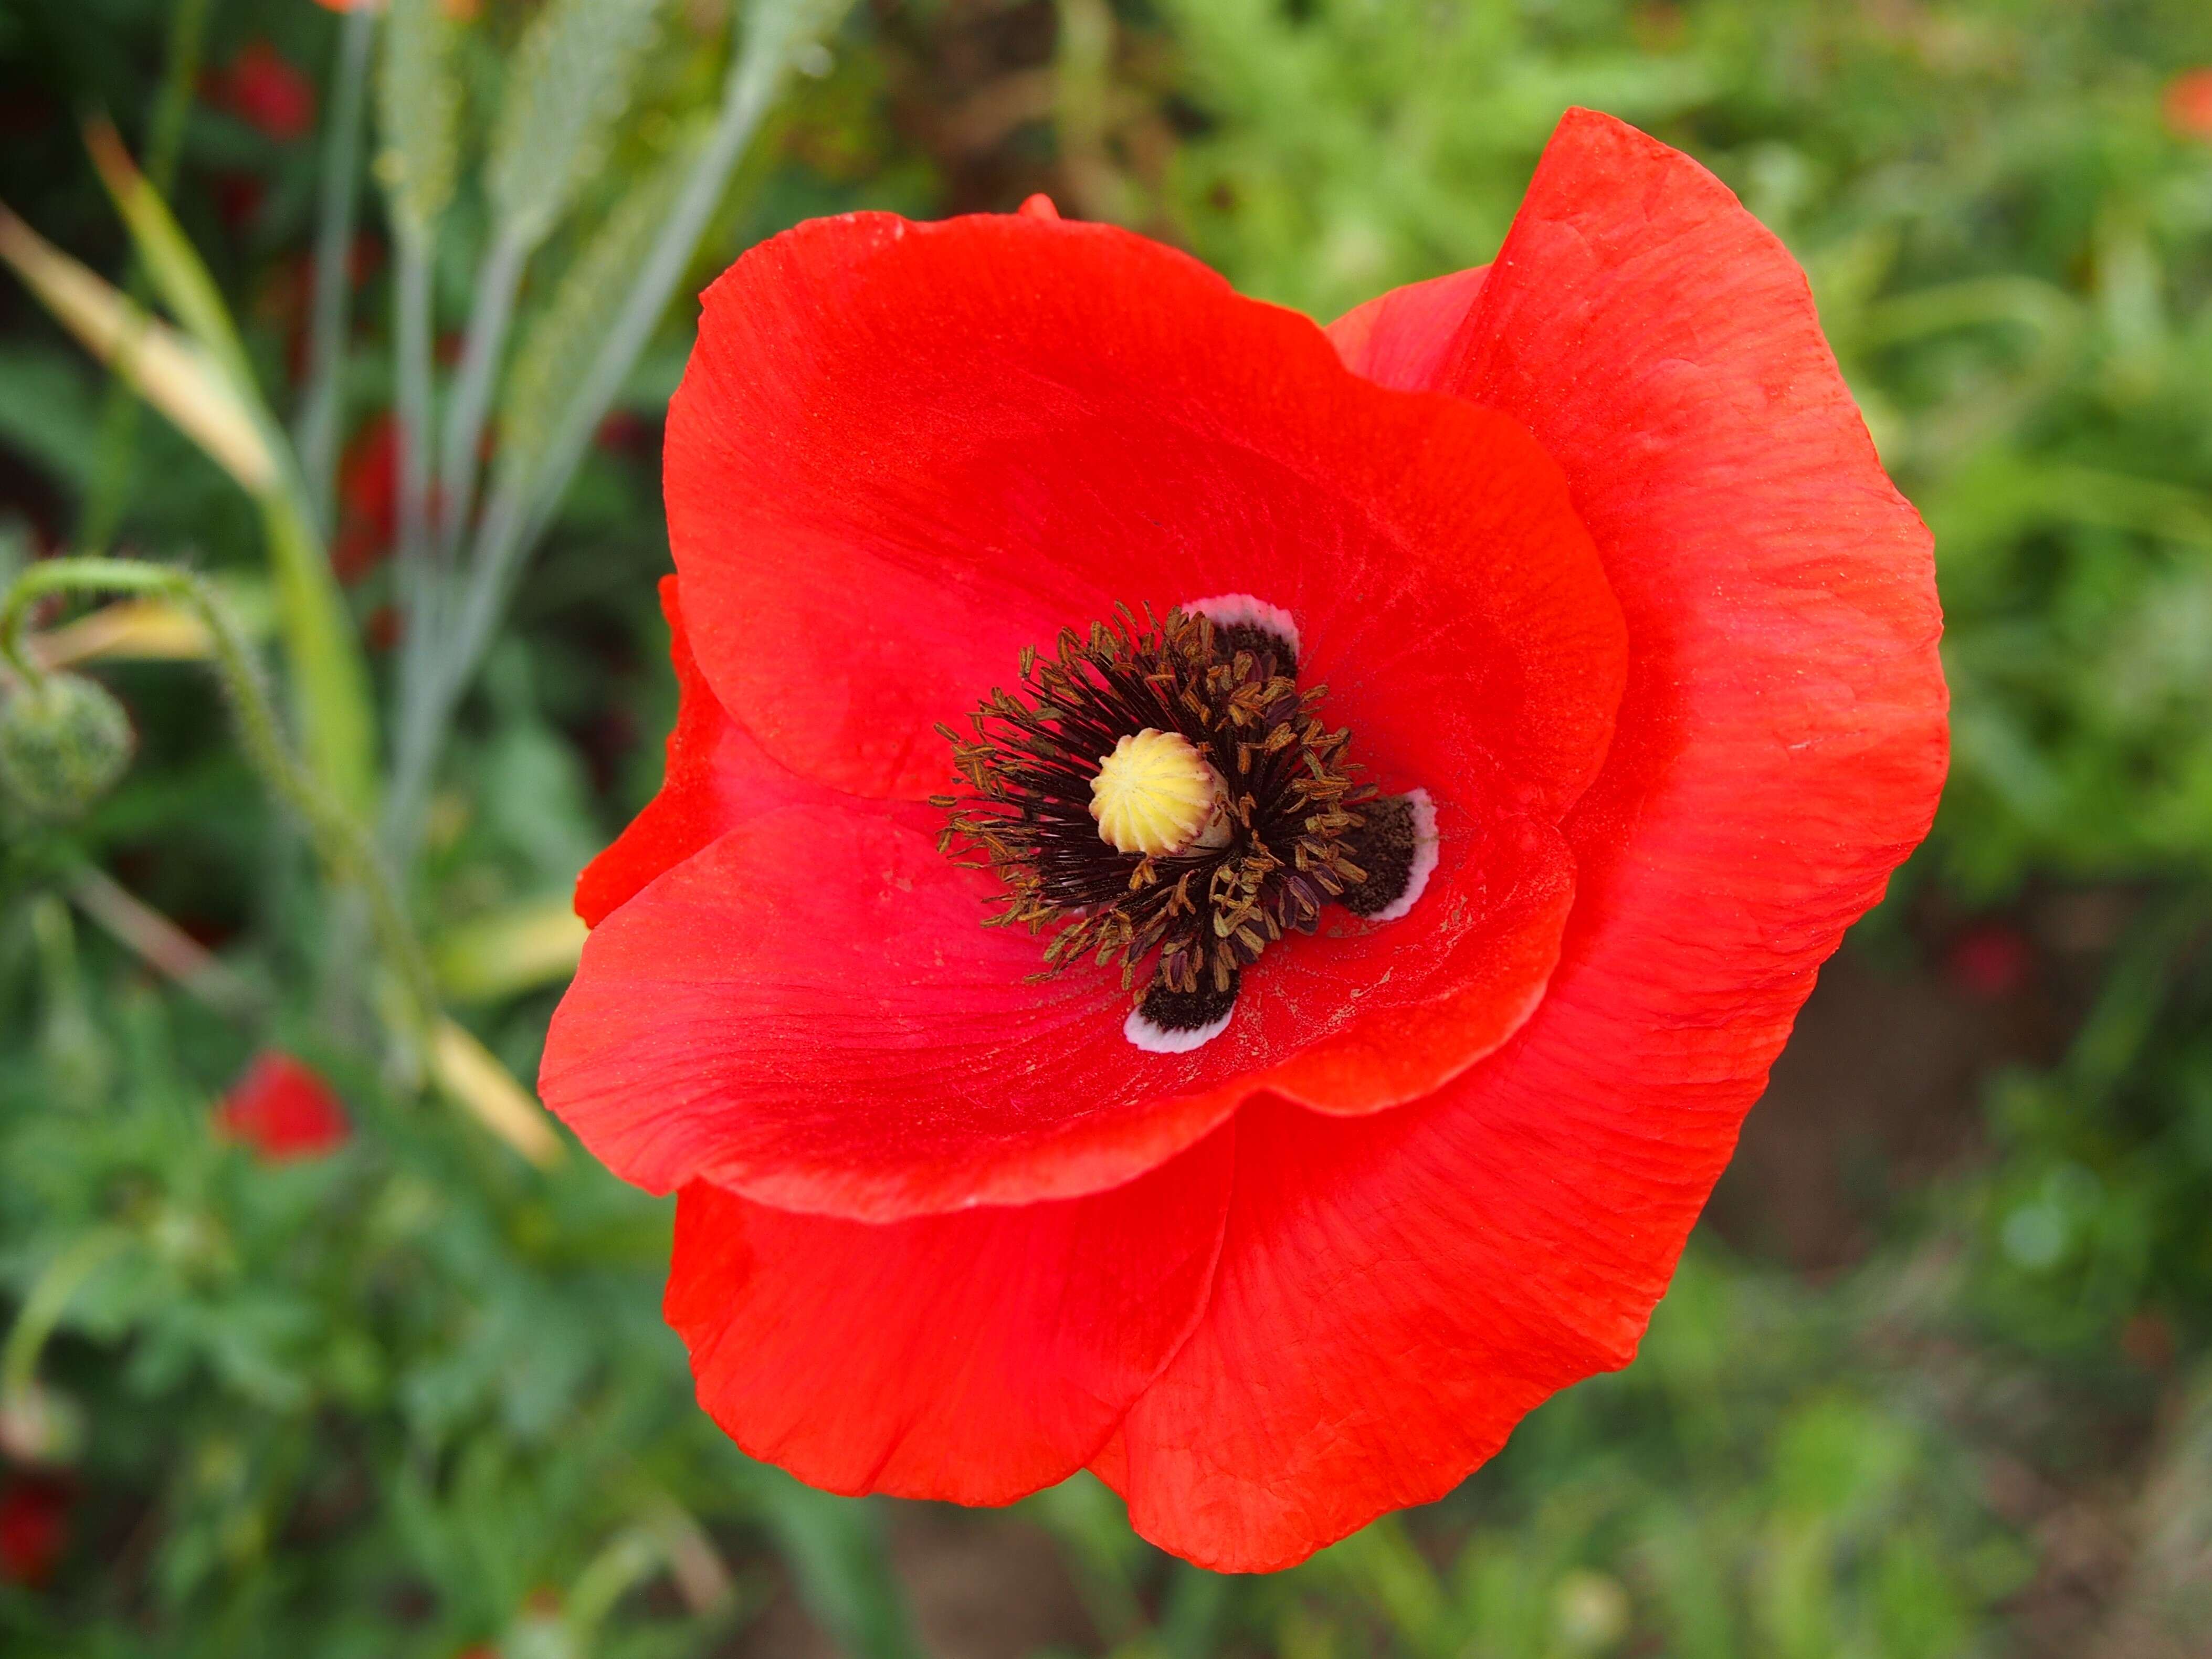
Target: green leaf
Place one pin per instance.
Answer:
(169, 371)
(178, 276)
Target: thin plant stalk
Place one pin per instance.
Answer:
(421, 621)
(315, 433)
(498, 281)
(524, 500)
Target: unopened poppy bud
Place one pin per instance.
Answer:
(1155, 794)
(63, 743)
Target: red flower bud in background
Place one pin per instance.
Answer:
(1443, 748)
(33, 1527)
(368, 499)
(2187, 105)
(284, 1110)
(1991, 959)
(266, 92)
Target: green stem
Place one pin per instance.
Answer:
(497, 283)
(316, 433)
(48, 1300)
(411, 344)
(339, 840)
(422, 621)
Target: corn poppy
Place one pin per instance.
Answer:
(267, 92)
(284, 1110)
(1411, 773)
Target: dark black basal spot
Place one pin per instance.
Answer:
(1383, 847)
(1203, 1005)
(1261, 641)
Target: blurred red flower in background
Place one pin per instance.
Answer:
(368, 499)
(1991, 959)
(1624, 622)
(265, 91)
(284, 1109)
(33, 1527)
(2188, 104)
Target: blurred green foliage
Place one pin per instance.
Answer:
(415, 1397)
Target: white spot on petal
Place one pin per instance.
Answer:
(1228, 610)
(1157, 1040)
(1425, 857)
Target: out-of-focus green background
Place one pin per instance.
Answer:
(1935, 1378)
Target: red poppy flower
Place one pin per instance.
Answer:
(1633, 643)
(33, 1528)
(2187, 105)
(368, 499)
(284, 1110)
(267, 93)
(1991, 959)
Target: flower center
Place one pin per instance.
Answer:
(1166, 796)
(1156, 795)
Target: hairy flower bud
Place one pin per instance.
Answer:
(62, 744)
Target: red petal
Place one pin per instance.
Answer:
(901, 452)
(717, 776)
(808, 1012)
(1400, 338)
(1029, 406)
(284, 1109)
(975, 1356)
(1395, 1293)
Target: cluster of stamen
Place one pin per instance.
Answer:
(1281, 838)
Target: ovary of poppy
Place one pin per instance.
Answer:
(284, 1109)
(1596, 560)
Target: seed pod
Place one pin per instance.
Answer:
(62, 744)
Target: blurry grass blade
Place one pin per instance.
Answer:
(702, 1577)
(160, 366)
(509, 951)
(178, 274)
(834, 1548)
(473, 1077)
(568, 83)
(144, 630)
(418, 108)
(627, 1561)
(329, 677)
(48, 1300)
(161, 943)
(559, 346)
(1389, 1571)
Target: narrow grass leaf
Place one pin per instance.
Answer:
(472, 1076)
(162, 366)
